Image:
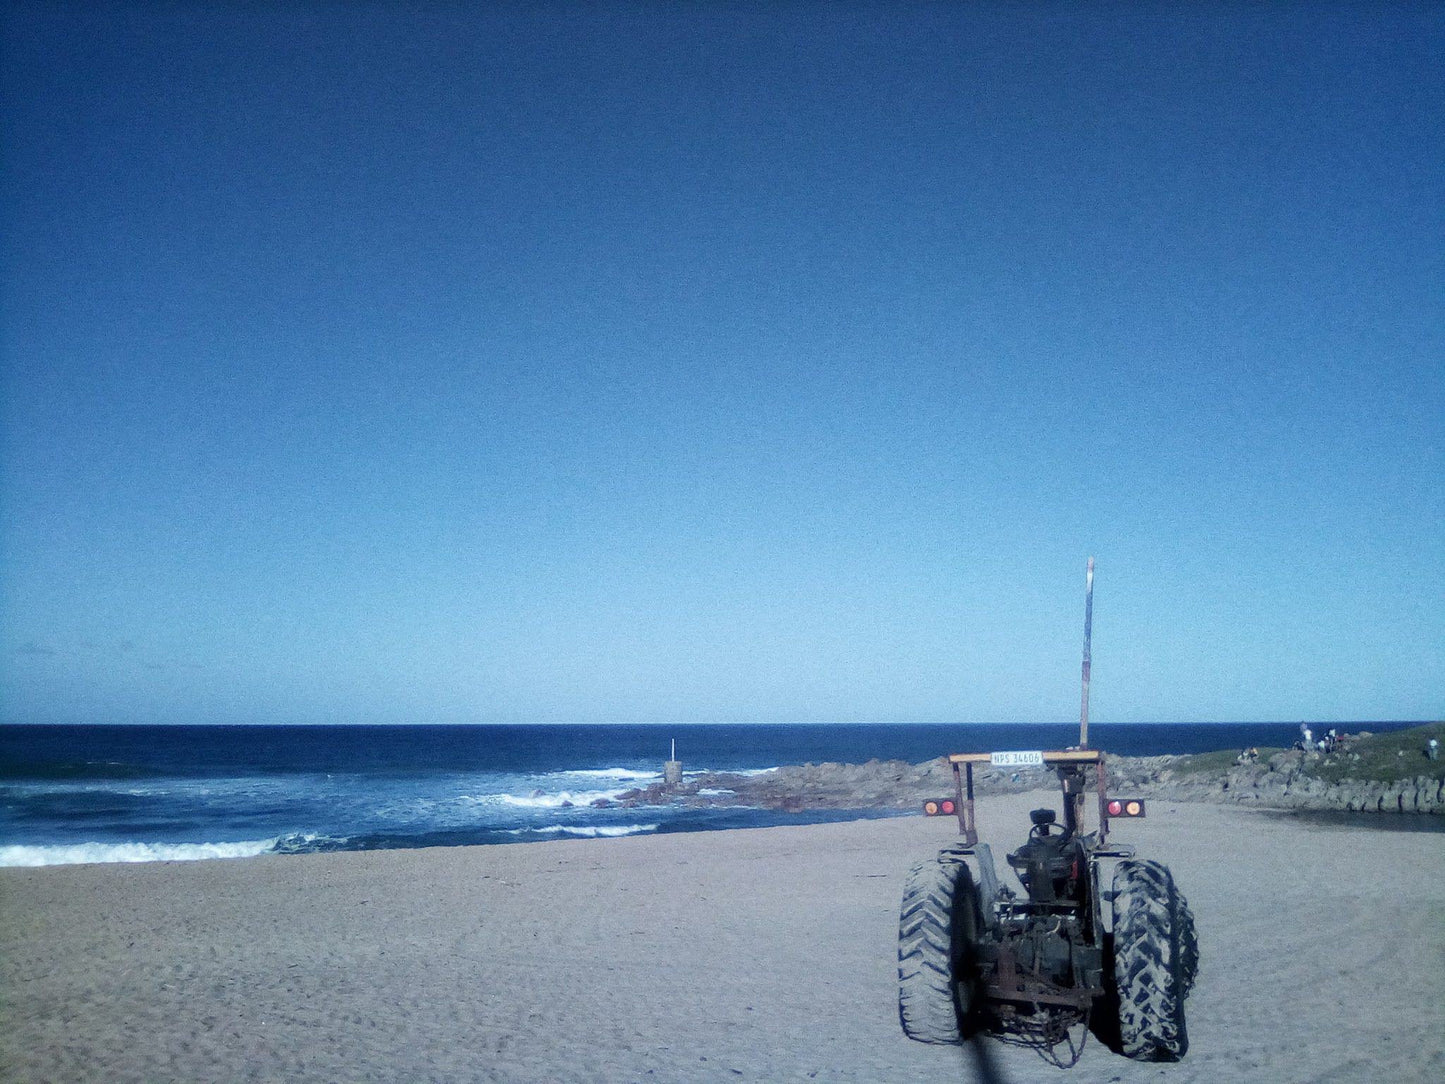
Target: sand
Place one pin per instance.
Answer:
(765, 955)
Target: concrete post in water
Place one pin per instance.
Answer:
(672, 770)
(1088, 631)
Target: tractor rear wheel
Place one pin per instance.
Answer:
(937, 926)
(1156, 954)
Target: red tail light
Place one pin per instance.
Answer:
(1125, 807)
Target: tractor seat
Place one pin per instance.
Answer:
(1049, 864)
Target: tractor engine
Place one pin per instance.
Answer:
(1043, 967)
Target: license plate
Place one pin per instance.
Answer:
(1021, 759)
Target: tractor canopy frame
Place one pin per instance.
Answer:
(1070, 764)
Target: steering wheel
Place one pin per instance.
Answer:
(1044, 831)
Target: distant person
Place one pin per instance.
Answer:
(1433, 750)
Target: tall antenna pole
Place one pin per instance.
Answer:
(1088, 633)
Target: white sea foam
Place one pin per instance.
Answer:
(69, 854)
(558, 800)
(586, 831)
(623, 775)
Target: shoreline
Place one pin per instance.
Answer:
(762, 955)
(1285, 780)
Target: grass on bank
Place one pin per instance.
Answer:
(1382, 758)
(1214, 763)
(1385, 758)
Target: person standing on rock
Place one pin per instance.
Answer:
(1433, 751)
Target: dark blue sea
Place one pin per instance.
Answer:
(151, 793)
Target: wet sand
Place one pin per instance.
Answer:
(764, 955)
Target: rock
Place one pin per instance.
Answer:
(1281, 782)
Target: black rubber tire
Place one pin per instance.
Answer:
(1156, 956)
(937, 925)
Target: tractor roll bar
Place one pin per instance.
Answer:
(1069, 763)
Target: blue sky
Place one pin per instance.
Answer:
(710, 362)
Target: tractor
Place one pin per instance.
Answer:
(1063, 956)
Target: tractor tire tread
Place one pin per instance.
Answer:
(1156, 958)
(926, 1006)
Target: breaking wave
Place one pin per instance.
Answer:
(74, 854)
(586, 831)
(622, 775)
(562, 799)
(70, 854)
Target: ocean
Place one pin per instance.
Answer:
(156, 793)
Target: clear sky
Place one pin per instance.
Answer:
(721, 362)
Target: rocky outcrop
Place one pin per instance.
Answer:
(1284, 781)
(1287, 780)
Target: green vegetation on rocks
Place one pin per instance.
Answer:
(1385, 773)
(1219, 761)
(1371, 758)
(1383, 758)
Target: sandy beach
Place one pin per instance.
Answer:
(764, 955)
